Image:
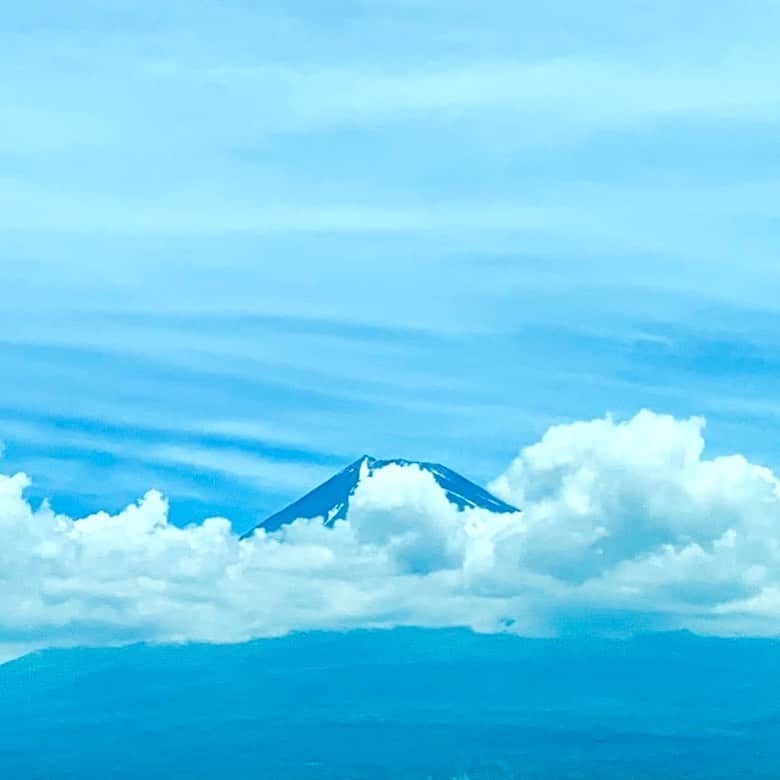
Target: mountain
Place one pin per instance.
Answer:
(331, 499)
(405, 704)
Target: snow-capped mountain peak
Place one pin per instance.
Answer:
(330, 500)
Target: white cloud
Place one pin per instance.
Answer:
(625, 524)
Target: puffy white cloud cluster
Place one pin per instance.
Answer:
(625, 525)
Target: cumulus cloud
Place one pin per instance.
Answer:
(625, 525)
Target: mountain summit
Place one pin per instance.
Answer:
(331, 499)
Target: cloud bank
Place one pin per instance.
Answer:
(625, 526)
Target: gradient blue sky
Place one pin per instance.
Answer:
(243, 243)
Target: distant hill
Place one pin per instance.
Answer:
(405, 704)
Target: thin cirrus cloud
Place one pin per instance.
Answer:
(586, 92)
(625, 525)
(589, 91)
(450, 218)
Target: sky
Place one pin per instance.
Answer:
(241, 244)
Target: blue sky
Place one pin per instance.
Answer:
(242, 243)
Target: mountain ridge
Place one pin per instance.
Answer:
(330, 500)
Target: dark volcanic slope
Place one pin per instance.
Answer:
(331, 499)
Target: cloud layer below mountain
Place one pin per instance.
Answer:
(626, 526)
